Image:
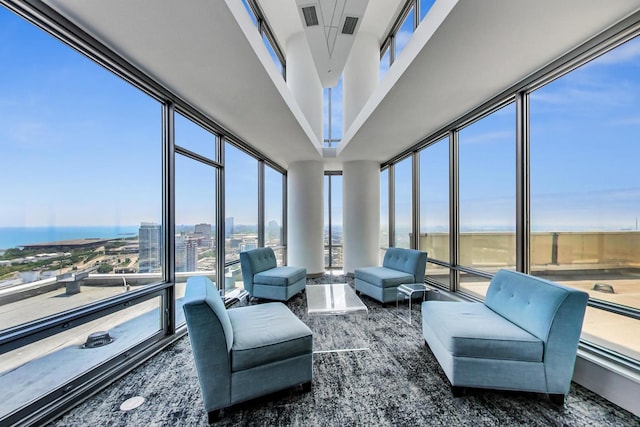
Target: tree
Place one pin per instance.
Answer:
(104, 268)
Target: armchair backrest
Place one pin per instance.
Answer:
(552, 312)
(255, 261)
(408, 260)
(211, 336)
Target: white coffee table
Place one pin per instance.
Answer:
(337, 317)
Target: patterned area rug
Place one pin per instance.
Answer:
(397, 381)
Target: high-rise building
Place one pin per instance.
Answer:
(186, 253)
(191, 249)
(150, 247)
(228, 226)
(203, 233)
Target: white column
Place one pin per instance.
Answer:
(303, 81)
(361, 213)
(360, 76)
(305, 216)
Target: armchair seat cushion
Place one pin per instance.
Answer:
(468, 329)
(280, 276)
(383, 277)
(266, 333)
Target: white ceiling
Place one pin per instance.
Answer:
(210, 54)
(329, 47)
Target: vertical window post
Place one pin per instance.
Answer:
(523, 224)
(168, 213)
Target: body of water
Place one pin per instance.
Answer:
(11, 237)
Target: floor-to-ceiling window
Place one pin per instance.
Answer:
(81, 218)
(434, 208)
(487, 161)
(196, 171)
(384, 212)
(585, 189)
(274, 213)
(241, 210)
(102, 212)
(403, 211)
(577, 202)
(333, 236)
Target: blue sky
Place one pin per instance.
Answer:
(82, 147)
(79, 146)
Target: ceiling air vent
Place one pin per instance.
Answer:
(349, 26)
(310, 15)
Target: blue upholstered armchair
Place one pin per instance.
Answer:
(399, 266)
(264, 279)
(244, 352)
(524, 337)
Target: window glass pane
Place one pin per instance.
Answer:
(326, 99)
(250, 12)
(241, 203)
(474, 285)
(585, 186)
(404, 33)
(194, 138)
(613, 331)
(272, 53)
(384, 211)
(487, 192)
(438, 273)
(81, 149)
(233, 277)
(195, 210)
(385, 63)
(327, 212)
(280, 253)
(403, 211)
(434, 200)
(29, 371)
(336, 221)
(336, 111)
(333, 239)
(332, 103)
(425, 6)
(273, 185)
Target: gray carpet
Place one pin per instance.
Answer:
(396, 382)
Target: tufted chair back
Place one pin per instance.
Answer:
(408, 260)
(253, 262)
